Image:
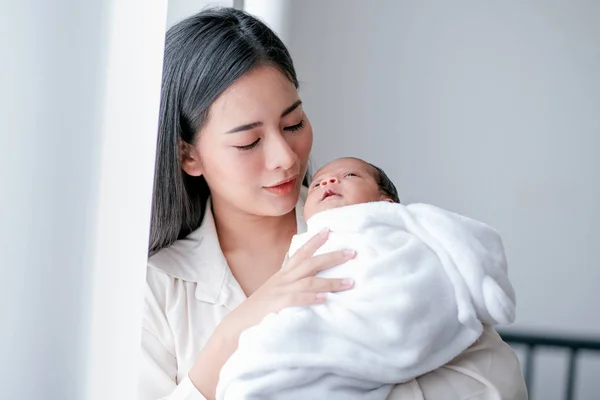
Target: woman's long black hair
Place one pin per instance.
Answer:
(204, 55)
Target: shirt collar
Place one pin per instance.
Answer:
(198, 258)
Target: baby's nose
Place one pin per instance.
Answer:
(330, 180)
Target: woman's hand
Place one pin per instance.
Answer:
(295, 284)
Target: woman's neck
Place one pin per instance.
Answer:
(240, 231)
(254, 246)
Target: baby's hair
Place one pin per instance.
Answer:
(385, 184)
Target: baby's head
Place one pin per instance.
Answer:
(348, 181)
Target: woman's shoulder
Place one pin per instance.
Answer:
(194, 264)
(169, 268)
(192, 258)
(176, 260)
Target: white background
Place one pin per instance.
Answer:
(486, 108)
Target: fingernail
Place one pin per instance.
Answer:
(321, 296)
(349, 253)
(347, 282)
(324, 232)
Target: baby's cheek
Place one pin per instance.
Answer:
(309, 207)
(372, 195)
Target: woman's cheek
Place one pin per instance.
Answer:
(305, 144)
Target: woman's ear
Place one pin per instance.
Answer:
(190, 160)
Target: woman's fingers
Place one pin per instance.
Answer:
(296, 283)
(320, 285)
(295, 298)
(315, 264)
(308, 249)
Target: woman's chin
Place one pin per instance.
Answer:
(282, 204)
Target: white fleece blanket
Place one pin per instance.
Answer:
(425, 281)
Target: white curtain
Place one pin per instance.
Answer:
(79, 97)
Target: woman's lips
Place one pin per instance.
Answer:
(284, 187)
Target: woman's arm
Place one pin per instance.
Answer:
(158, 367)
(488, 370)
(293, 285)
(158, 374)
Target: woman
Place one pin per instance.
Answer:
(232, 125)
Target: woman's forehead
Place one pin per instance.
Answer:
(264, 90)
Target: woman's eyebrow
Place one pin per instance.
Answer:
(245, 127)
(291, 108)
(253, 125)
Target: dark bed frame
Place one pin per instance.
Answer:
(533, 341)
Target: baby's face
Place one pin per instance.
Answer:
(342, 182)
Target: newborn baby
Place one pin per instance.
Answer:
(348, 181)
(425, 281)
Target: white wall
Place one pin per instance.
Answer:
(275, 13)
(80, 86)
(180, 9)
(488, 109)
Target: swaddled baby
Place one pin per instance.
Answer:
(425, 280)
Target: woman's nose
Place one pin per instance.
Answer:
(280, 154)
(328, 181)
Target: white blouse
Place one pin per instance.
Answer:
(190, 289)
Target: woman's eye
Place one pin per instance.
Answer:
(248, 146)
(294, 128)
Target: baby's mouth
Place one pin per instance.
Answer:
(329, 193)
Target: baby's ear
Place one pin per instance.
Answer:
(385, 198)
